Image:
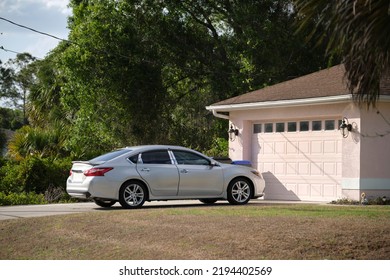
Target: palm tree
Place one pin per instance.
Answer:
(360, 31)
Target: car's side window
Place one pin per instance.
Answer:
(156, 157)
(183, 157)
(134, 159)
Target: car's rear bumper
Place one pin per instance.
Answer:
(78, 189)
(84, 195)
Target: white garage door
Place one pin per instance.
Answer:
(300, 160)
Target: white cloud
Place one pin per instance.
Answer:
(18, 6)
(61, 5)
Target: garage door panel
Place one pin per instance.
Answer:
(304, 147)
(330, 147)
(302, 166)
(280, 168)
(291, 168)
(330, 190)
(316, 190)
(316, 168)
(330, 168)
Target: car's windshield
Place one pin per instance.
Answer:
(109, 156)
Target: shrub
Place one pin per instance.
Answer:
(34, 174)
(370, 201)
(3, 140)
(219, 148)
(21, 198)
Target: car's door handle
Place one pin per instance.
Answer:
(184, 171)
(145, 169)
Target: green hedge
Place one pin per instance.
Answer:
(33, 174)
(21, 198)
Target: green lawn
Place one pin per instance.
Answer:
(254, 231)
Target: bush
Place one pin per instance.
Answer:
(219, 148)
(3, 140)
(34, 174)
(370, 201)
(21, 198)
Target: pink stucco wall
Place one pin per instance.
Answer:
(356, 164)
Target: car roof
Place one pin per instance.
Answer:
(156, 147)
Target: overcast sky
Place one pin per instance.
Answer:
(49, 16)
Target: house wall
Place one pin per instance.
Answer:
(359, 162)
(351, 157)
(375, 151)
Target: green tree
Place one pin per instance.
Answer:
(142, 72)
(17, 80)
(7, 89)
(44, 106)
(359, 31)
(10, 118)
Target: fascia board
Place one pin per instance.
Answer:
(281, 103)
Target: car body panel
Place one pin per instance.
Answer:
(171, 179)
(200, 180)
(162, 179)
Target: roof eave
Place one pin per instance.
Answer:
(281, 103)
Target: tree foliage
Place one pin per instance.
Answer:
(359, 31)
(142, 71)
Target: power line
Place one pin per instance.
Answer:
(34, 30)
(8, 50)
(63, 40)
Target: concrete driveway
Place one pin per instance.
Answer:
(26, 211)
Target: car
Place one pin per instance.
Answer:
(133, 175)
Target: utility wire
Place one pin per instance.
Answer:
(34, 30)
(7, 50)
(61, 39)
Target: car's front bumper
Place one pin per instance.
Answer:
(259, 185)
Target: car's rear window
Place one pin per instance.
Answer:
(109, 156)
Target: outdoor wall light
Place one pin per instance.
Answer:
(345, 127)
(233, 132)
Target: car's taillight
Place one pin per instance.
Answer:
(97, 171)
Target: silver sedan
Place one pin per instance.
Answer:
(134, 175)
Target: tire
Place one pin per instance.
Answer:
(132, 195)
(239, 191)
(208, 200)
(106, 203)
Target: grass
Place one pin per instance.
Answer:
(255, 231)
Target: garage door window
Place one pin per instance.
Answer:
(292, 127)
(269, 127)
(304, 126)
(329, 125)
(317, 125)
(257, 128)
(279, 127)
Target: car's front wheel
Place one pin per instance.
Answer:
(104, 202)
(132, 195)
(239, 191)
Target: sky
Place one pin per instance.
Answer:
(49, 16)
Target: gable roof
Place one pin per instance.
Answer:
(324, 83)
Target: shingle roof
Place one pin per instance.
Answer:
(324, 83)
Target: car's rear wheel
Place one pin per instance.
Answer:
(239, 191)
(208, 200)
(132, 195)
(104, 202)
